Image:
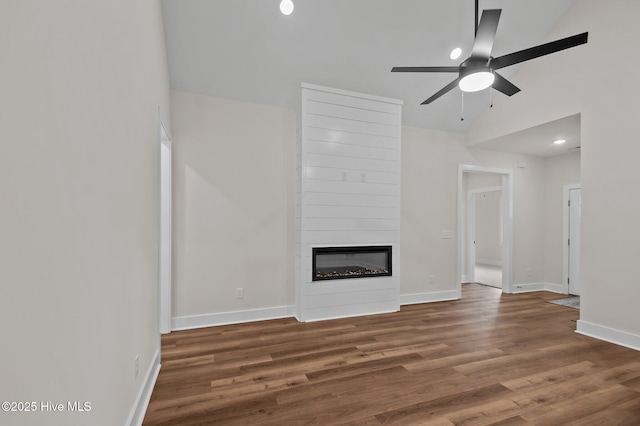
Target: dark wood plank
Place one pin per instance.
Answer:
(487, 359)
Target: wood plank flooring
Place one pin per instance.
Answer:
(488, 359)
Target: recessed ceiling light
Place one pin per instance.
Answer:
(559, 141)
(286, 7)
(455, 53)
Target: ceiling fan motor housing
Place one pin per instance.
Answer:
(473, 65)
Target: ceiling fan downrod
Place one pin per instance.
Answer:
(475, 22)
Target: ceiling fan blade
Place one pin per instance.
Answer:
(486, 34)
(537, 51)
(425, 69)
(503, 85)
(442, 91)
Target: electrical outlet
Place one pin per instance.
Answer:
(136, 364)
(239, 293)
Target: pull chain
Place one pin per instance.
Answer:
(490, 96)
(462, 108)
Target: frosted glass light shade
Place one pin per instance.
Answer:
(286, 7)
(476, 81)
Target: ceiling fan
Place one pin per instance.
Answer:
(478, 71)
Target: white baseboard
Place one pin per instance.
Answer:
(610, 335)
(436, 296)
(556, 288)
(144, 394)
(237, 317)
(529, 287)
(464, 279)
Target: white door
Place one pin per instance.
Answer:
(574, 241)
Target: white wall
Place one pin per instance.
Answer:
(482, 180)
(81, 86)
(579, 80)
(528, 211)
(429, 196)
(488, 232)
(233, 207)
(560, 171)
(538, 203)
(214, 203)
(429, 207)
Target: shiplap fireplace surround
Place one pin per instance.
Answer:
(347, 194)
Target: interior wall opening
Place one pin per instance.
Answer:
(494, 188)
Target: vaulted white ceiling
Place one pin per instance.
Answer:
(247, 50)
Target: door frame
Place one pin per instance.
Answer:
(507, 223)
(164, 232)
(565, 232)
(471, 226)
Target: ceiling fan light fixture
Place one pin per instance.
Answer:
(286, 7)
(476, 72)
(476, 81)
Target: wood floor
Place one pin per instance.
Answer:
(488, 359)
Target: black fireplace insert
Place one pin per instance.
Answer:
(331, 263)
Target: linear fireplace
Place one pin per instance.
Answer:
(330, 263)
(347, 186)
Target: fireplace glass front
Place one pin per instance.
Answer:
(330, 263)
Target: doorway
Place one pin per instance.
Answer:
(165, 231)
(505, 179)
(484, 235)
(571, 252)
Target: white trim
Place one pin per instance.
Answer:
(507, 225)
(465, 279)
(610, 335)
(529, 287)
(507, 231)
(237, 317)
(471, 236)
(556, 288)
(136, 416)
(166, 128)
(489, 262)
(482, 169)
(165, 232)
(436, 296)
(565, 232)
